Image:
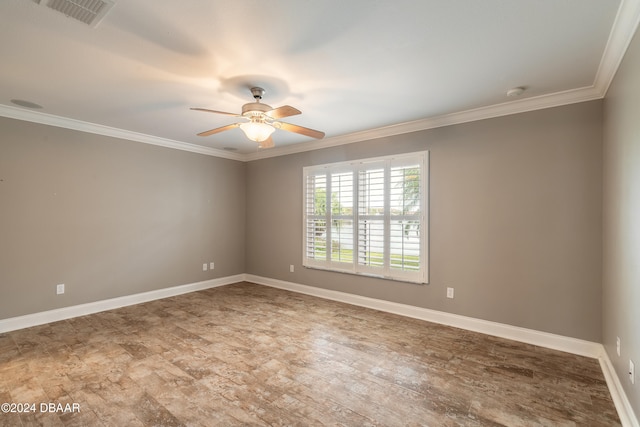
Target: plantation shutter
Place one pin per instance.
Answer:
(368, 217)
(341, 228)
(405, 218)
(371, 214)
(316, 218)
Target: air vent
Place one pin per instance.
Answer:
(89, 12)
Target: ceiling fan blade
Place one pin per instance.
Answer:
(284, 111)
(215, 111)
(299, 129)
(267, 143)
(218, 130)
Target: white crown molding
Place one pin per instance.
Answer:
(63, 122)
(622, 32)
(29, 320)
(557, 99)
(492, 111)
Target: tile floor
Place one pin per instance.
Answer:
(246, 354)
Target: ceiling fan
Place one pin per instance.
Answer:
(262, 121)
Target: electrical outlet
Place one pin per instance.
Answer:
(60, 289)
(618, 346)
(204, 267)
(211, 266)
(632, 372)
(449, 292)
(291, 268)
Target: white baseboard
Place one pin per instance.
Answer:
(625, 411)
(29, 320)
(529, 336)
(543, 339)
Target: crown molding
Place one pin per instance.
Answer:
(492, 111)
(67, 123)
(622, 32)
(497, 110)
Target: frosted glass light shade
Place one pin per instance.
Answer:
(257, 131)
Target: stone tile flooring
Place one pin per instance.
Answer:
(246, 354)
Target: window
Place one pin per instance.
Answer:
(368, 217)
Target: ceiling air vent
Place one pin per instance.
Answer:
(89, 12)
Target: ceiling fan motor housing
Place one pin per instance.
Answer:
(255, 109)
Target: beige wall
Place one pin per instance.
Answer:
(621, 267)
(109, 217)
(515, 219)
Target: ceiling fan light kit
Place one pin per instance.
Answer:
(262, 121)
(257, 131)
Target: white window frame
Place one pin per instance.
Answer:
(355, 168)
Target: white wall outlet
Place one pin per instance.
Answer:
(449, 292)
(632, 372)
(618, 346)
(204, 267)
(291, 268)
(60, 289)
(211, 266)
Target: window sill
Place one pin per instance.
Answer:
(371, 275)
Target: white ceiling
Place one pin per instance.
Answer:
(356, 69)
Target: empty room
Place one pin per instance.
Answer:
(354, 213)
